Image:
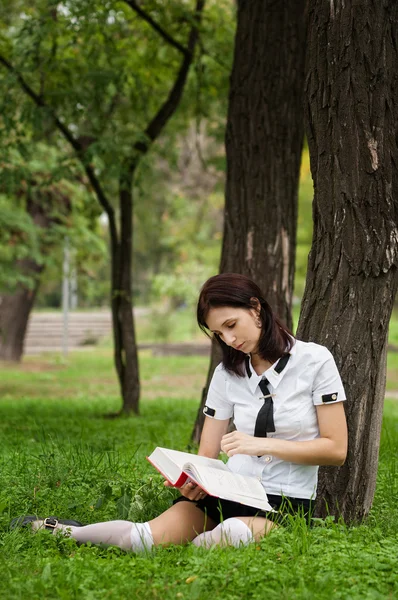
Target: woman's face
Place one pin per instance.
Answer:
(235, 326)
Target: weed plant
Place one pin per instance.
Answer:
(60, 456)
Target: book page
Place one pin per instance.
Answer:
(171, 463)
(181, 458)
(219, 482)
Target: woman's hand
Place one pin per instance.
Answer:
(190, 490)
(242, 443)
(328, 449)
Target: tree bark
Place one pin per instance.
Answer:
(15, 308)
(125, 346)
(15, 311)
(263, 143)
(351, 113)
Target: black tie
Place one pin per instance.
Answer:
(265, 418)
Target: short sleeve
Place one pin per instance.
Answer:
(217, 405)
(327, 387)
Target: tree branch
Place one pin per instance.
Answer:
(168, 108)
(76, 145)
(215, 58)
(167, 37)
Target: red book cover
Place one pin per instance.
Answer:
(180, 481)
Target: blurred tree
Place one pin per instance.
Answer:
(180, 216)
(45, 208)
(352, 115)
(36, 215)
(263, 141)
(87, 81)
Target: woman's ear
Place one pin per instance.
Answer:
(255, 311)
(255, 302)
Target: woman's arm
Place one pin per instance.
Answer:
(329, 449)
(212, 433)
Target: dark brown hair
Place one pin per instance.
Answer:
(232, 289)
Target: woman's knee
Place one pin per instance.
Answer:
(259, 526)
(231, 532)
(180, 524)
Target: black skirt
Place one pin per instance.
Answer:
(219, 510)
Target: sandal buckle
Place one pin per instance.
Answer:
(50, 522)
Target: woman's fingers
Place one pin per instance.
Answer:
(192, 491)
(200, 495)
(236, 442)
(228, 441)
(228, 446)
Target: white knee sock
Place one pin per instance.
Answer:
(125, 534)
(141, 537)
(232, 532)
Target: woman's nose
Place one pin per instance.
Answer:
(229, 338)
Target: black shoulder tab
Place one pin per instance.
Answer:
(209, 411)
(330, 397)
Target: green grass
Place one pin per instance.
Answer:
(59, 455)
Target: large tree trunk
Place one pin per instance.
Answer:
(352, 117)
(263, 144)
(15, 308)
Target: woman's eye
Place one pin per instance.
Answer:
(231, 326)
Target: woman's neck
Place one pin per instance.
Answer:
(259, 364)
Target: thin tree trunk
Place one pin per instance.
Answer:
(127, 348)
(125, 345)
(352, 116)
(263, 142)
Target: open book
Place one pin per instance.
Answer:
(212, 475)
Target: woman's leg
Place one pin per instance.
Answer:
(235, 531)
(181, 523)
(177, 525)
(125, 534)
(259, 526)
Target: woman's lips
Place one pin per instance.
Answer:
(240, 346)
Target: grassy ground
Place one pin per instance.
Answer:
(60, 456)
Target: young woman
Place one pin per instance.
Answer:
(285, 397)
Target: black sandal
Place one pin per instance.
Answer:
(49, 523)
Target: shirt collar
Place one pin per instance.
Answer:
(273, 376)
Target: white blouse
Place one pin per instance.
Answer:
(309, 379)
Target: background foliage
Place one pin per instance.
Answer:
(102, 70)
